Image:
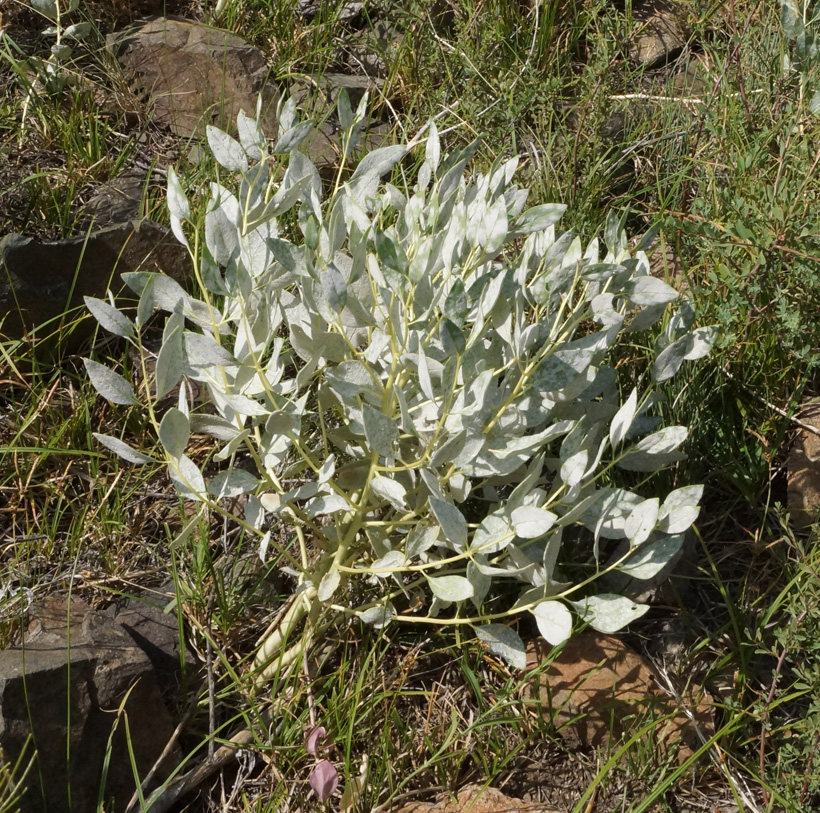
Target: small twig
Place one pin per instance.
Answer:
(165, 799)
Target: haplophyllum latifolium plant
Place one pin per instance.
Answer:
(420, 387)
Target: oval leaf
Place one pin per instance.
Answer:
(109, 317)
(227, 150)
(532, 523)
(504, 642)
(451, 588)
(554, 621)
(609, 612)
(121, 448)
(112, 386)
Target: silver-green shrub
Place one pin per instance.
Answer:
(418, 386)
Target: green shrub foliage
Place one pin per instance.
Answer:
(420, 386)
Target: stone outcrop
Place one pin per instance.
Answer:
(193, 75)
(41, 282)
(79, 684)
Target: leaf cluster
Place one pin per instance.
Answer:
(420, 383)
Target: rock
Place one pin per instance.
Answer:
(157, 634)
(116, 201)
(660, 37)
(596, 688)
(40, 281)
(372, 50)
(77, 678)
(477, 799)
(324, 148)
(803, 467)
(194, 75)
(317, 95)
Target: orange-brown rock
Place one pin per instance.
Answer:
(477, 799)
(597, 689)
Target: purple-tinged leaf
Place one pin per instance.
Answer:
(324, 780)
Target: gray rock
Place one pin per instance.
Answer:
(660, 36)
(324, 148)
(316, 95)
(372, 50)
(116, 201)
(77, 678)
(156, 632)
(194, 75)
(40, 281)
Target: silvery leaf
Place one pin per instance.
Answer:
(202, 350)
(170, 362)
(455, 305)
(493, 534)
(349, 378)
(574, 468)
(112, 386)
(609, 612)
(495, 227)
(649, 291)
(78, 31)
(532, 523)
(109, 317)
(126, 452)
(539, 218)
(504, 642)
(390, 490)
(334, 287)
(227, 150)
(47, 8)
(187, 478)
(452, 522)
(432, 150)
(251, 136)
(380, 161)
(388, 564)
(694, 345)
(649, 560)
(655, 451)
(232, 483)
(680, 509)
(420, 539)
(291, 139)
(326, 470)
(174, 431)
(381, 432)
(221, 235)
(554, 621)
(481, 584)
(328, 584)
(329, 504)
(677, 520)
(213, 425)
(561, 368)
(264, 543)
(378, 617)
(450, 588)
(641, 522)
(622, 421)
